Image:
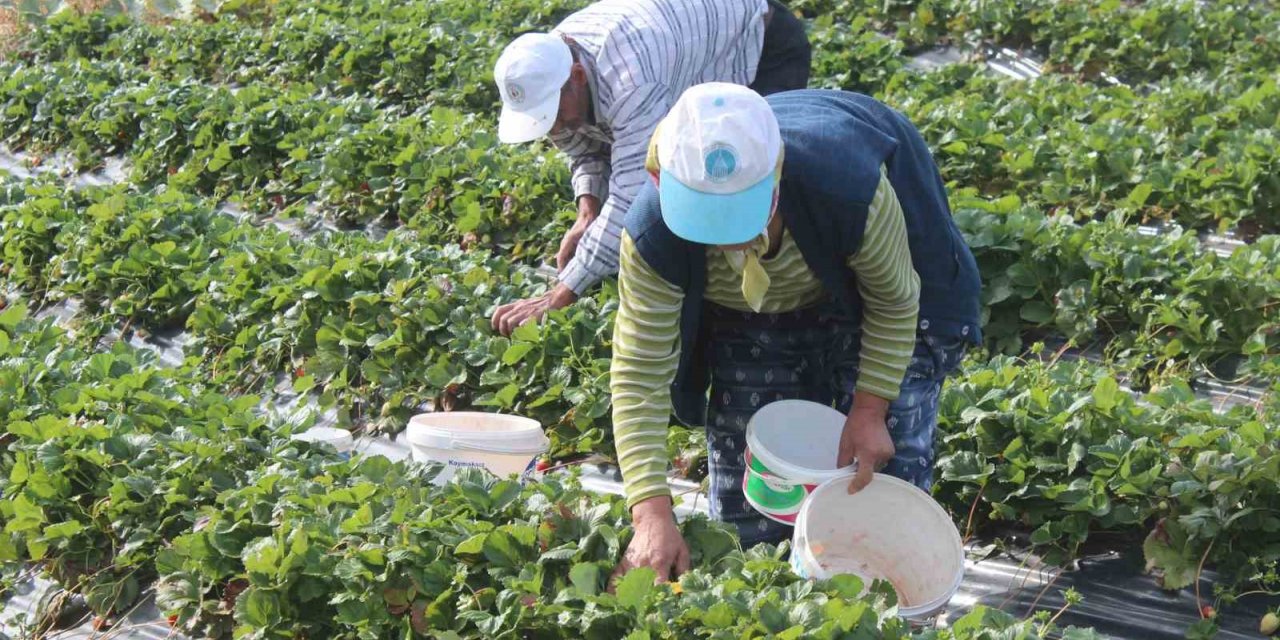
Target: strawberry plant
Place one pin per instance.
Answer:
(119, 475)
(1159, 304)
(1138, 42)
(380, 327)
(137, 477)
(1191, 150)
(1064, 452)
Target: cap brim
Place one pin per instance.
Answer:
(515, 127)
(711, 218)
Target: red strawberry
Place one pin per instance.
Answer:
(1207, 611)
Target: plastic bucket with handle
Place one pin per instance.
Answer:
(889, 530)
(502, 444)
(792, 447)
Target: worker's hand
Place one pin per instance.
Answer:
(588, 211)
(866, 439)
(509, 316)
(657, 543)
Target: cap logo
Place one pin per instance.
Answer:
(515, 93)
(720, 163)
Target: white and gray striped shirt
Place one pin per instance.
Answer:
(640, 55)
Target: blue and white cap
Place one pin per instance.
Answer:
(718, 151)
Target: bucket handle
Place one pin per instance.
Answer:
(465, 446)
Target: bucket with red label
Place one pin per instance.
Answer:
(792, 446)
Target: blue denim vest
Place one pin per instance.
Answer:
(835, 143)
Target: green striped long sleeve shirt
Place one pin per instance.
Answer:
(646, 337)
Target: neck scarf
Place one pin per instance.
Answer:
(755, 281)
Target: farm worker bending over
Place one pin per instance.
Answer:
(599, 83)
(794, 247)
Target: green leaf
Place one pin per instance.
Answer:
(1037, 312)
(304, 384)
(471, 219)
(258, 608)
(847, 585)
(1075, 456)
(362, 518)
(506, 396)
(792, 633)
(164, 248)
(262, 556)
(516, 352)
(27, 515)
(37, 548)
(1167, 550)
(10, 317)
(719, 616)
(585, 577)
(1043, 535)
(221, 157)
(472, 547)
(634, 588)
(1253, 432)
(528, 332)
(1138, 196)
(1106, 393)
(502, 550)
(63, 529)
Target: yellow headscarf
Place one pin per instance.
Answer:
(755, 281)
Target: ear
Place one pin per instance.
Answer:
(578, 74)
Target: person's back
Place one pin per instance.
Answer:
(599, 83)
(638, 42)
(817, 126)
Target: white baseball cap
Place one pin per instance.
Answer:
(530, 73)
(717, 152)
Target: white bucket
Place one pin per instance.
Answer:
(339, 439)
(889, 530)
(792, 447)
(502, 444)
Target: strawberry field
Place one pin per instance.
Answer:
(308, 203)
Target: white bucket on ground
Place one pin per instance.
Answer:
(339, 439)
(792, 446)
(502, 444)
(890, 530)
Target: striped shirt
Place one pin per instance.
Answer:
(640, 55)
(646, 335)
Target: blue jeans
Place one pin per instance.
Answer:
(761, 358)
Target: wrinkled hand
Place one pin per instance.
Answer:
(588, 210)
(509, 316)
(866, 439)
(657, 543)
